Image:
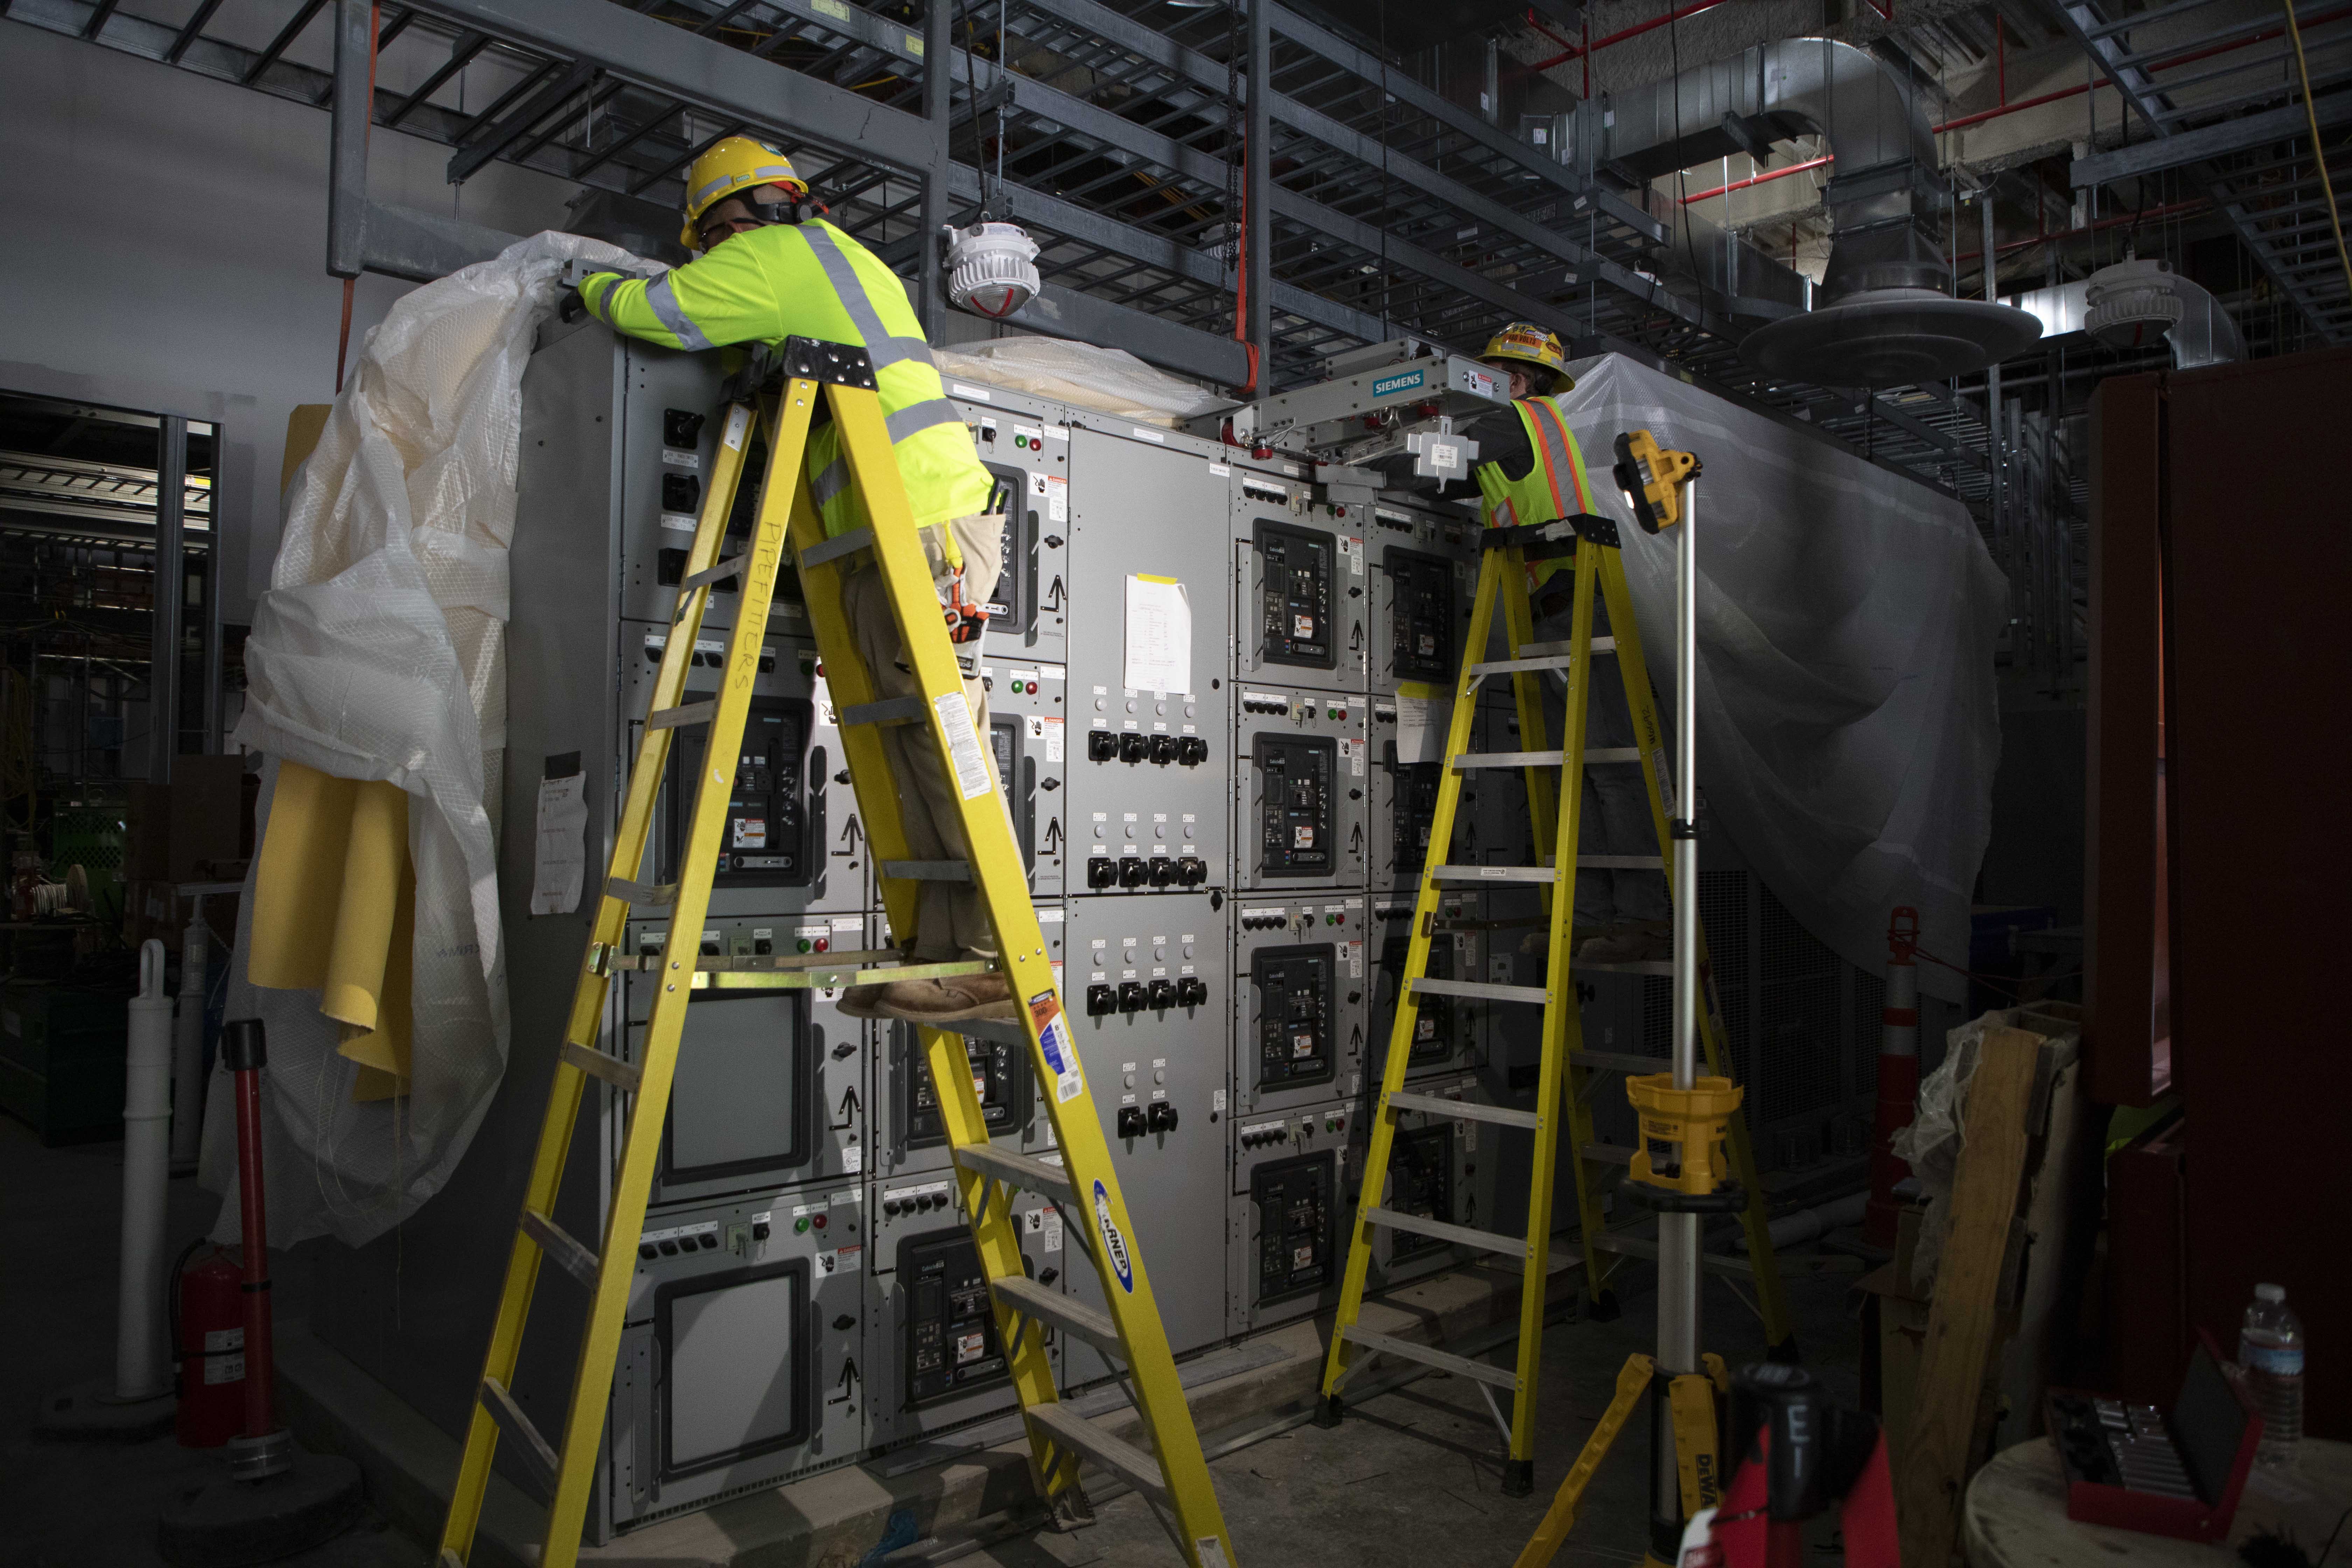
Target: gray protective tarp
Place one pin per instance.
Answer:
(1848, 722)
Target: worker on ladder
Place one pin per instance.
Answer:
(1532, 472)
(772, 268)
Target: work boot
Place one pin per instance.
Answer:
(864, 1001)
(950, 1000)
(1629, 941)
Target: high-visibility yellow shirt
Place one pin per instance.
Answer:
(1554, 486)
(811, 281)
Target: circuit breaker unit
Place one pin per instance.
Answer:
(1449, 1032)
(1300, 616)
(1300, 1007)
(1298, 791)
(1027, 718)
(1291, 1255)
(1024, 442)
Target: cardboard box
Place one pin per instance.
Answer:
(181, 831)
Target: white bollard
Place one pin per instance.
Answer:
(143, 1364)
(188, 1041)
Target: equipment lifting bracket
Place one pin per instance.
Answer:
(1554, 795)
(1174, 1477)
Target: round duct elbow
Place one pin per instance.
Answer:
(2132, 304)
(991, 269)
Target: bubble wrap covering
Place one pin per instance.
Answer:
(379, 653)
(1848, 720)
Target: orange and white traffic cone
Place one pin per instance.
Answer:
(1898, 1074)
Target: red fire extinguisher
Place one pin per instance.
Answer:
(211, 1313)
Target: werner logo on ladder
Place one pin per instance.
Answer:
(872, 596)
(1677, 1152)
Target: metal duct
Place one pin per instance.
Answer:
(1886, 195)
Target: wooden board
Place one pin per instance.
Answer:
(1964, 1316)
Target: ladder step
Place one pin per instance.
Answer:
(889, 711)
(630, 892)
(1512, 665)
(1068, 1313)
(928, 870)
(536, 1455)
(1648, 966)
(1430, 1355)
(731, 567)
(1608, 1153)
(611, 1069)
(1466, 1110)
(1483, 991)
(1493, 874)
(1131, 1464)
(1469, 760)
(1612, 754)
(1485, 1240)
(1030, 1175)
(1550, 649)
(1617, 1061)
(683, 715)
(834, 548)
(1620, 863)
(560, 1247)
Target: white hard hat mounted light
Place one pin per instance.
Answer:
(992, 268)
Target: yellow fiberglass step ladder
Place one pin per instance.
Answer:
(1174, 1477)
(1555, 780)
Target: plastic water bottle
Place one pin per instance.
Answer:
(2270, 1350)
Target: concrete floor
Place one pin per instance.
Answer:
(1413, 1475)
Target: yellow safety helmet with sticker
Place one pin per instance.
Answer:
(1530, 344)
(731, 165)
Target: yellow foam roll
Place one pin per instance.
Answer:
(298, 886)
(367, 905)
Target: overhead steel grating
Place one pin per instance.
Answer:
(1115, 141)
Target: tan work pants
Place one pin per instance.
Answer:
(951, 918)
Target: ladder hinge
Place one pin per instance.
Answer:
(1679, 829)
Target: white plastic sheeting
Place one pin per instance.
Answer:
(1108, 381)
(379, 653)
(1848, 721)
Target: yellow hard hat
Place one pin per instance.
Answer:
(1526, 341)
(732, 164)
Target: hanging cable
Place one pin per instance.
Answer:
(343, 334)
(2318, 148)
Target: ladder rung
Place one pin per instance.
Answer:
(1482, 991)
(562, 1247)
(1121, 1459)
(1469, 760)
(537, 1457)
(611, 1069)
(1430, 1355)
(1620, 863)
(834, 548)
(731, 567)
(1485, 1240)
(1607, 1154)
(684, 714)
(1617, 1061)
(1647, 966)
(1467, 1110)
(1512, 665)
(1612, 754)
(630, 892)
(1493, 874)
(1030, 1175)
(1547, 649)
(928, 870)
(1024, 1294)
(889, 711)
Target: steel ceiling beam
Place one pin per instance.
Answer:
(2183, 148)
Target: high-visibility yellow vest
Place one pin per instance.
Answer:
(811, 281)
(1555, 486)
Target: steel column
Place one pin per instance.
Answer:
(939, 22)
(347, 168)
(170, 590)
